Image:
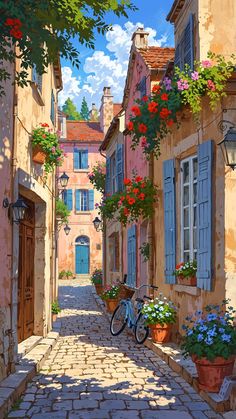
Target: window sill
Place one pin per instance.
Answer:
(187, 290)
(37, 94)
(81, 170)
(83, 212)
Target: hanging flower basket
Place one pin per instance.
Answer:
(38, 155)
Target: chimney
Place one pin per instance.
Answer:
(140, 39)
(93, 114)
(106, 109)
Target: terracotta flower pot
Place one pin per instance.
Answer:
(187, 280)
(111, 304)
(99, 288)
(212, 374)
(54, 317)
(159, 333)
(38, 155)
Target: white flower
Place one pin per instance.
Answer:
(161, 308)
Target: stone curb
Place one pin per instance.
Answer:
(15, 384)
(171, 354)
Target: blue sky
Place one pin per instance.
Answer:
(107, 64)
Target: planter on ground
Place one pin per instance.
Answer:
(38, 155)
(212, 374)
(187, 280)
(99, 288)
(159, 333)
(111, 304)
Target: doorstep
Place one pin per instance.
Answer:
(28, 365)
(172, 355)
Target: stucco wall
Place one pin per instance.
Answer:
(81, 223)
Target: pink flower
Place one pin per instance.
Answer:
(182, 84)
(211, 85)
(120, 203)
(195, 75)
(96, 205)
(53, 149)
(206, 64)
(143, 142)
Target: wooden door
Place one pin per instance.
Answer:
(82, 259)
(26, 274)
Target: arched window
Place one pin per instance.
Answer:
(82, 240)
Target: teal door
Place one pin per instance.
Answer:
(81, 259)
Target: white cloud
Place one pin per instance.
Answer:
(107, 68)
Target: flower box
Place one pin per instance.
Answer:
(38, 155)
(187, 280)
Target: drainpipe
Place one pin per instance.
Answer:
(104, 243)
(151, 224)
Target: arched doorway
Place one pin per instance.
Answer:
(82, 255)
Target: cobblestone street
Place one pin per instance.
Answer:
(91, 374)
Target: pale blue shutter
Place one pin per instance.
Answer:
(188, 55)
(78, 200)
(52, 114)
(120, 166)
(169, 219)
(84, 159)
(177, 56)
(67, 195)
(108, 175)
(91, 199)
(76, 158)
(131, 254)
(204, 216)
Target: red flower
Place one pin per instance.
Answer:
(9, 22)
(142, 128)
(138, 178)
(17, 23)
(164, 96)
(130, 126)
(136, 110)
(44, 136)
(145, 98)
(126, 211)
(165, 113)
(127, 181)
(211, 85)
(122, 198)
(135, 191)
(16, 33)
(179, 265)
(170, 122)
(143, 185)
(131, 201)
(156, 88)
(44, 125)
(152, 107)
(141, 196)
(143, 142)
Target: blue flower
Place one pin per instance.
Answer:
(184, 327)
(198, 313)
(221, 330)
(209, 340)
(223, 321)
(200, 337)
(203, 328)
(226, 338)
(211, 316)
(189, 332)
(211, 333)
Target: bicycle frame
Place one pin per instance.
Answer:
(130, 312)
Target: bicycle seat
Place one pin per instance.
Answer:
(139, 300)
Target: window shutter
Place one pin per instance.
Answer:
(169, 219)
(120, 166)
(76, 158)
(91, 199)
(142, 87)
(204, 216)
(108, 175)
(177, 56)
(188, 57)
(34, 74)
(84, 159)
(78, 200)
(131, 252)
(69, 199)
(52, 115)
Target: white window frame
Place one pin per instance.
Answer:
(191, 207)
(84, 192)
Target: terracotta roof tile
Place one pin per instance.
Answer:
(116, 108)
(84, 131)
(157, 57)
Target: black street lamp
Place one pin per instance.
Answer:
(64, 178)
(97, 224)
(67, 229)
(228, 148)
(16, 211)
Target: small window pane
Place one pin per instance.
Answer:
(195, 216)
(194, 238)
(195, 255)
(186, 256)
(195, 193)
(186, 172)
(186, 195)
(186, 239)
(186, 217)
(195, 169)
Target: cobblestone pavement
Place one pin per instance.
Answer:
(91, 374)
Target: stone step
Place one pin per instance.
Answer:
(27, 345)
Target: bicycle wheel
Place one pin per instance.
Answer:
(118, 320)
(141, 331)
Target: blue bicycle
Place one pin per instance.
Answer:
(127, 314)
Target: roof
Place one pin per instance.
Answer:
(84, 131)
(116, 108)
(111, 130)
(174, 11)
(157, 57)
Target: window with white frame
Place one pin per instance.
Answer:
(189, 169)
(84, 200)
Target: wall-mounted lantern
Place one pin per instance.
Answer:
(67, 229)
(16, 211)
(64, 178)
(97, 224)
(228, 147)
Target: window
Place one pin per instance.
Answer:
(114, 252)
(68, 198)
(189, 169)
(80, 159)
(184, 51)
(37, 78)
(84, 200)
(113, 173)
(142, 87)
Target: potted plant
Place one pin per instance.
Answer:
(96, 280)
(160, 314)
(186, 273)
(55, 310)
(210, 339)
(69, 274)
(62, 274)
(111, 297)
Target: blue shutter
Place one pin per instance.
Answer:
(78, 200)
(177, 56)
(131, 254)
(120, 166)
(108, 175)
(84, 159)
(52, 114)
(204, 216)
(188, 56)
(142, 87)
(169, 219)
(91, 199)
(69, 199)
(34, 74)
(76, 158)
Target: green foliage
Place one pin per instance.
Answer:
(62, 211)
(48, 141)
(187, 269)
(111, 292)
(210, 333)
(70, 110)
(55, 307)
(159, 311)
(96, 277)
(98, 176)
(65, 274)
(145, 251)
(84, 111)
(62, 274)
(45, 28)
